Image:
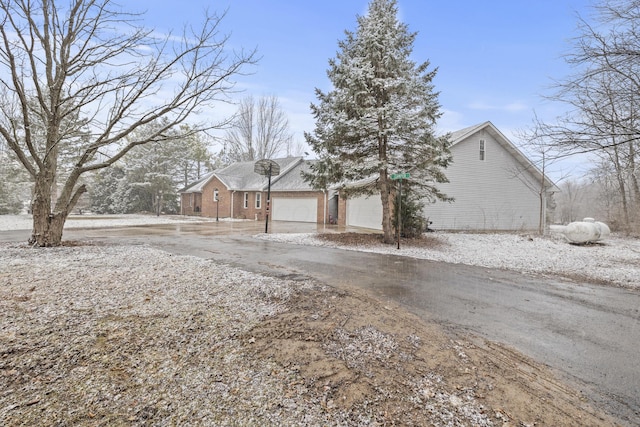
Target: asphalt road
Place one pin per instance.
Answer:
(590, 335)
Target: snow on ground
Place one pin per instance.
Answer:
(616, 260)
(25, 222)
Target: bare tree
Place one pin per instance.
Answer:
(605, 195)
(573, 193)
(544, 155)
(603, 92)
(603, 96)
(91, 59)
(259, 131)
(607, 116)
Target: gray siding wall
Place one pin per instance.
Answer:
(489, 194)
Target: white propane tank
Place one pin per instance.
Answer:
(585, 231)
(604, 229)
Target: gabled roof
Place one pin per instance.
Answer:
(197, 186)
(462, 134)
(240, 176)
(364, 182)
(292, 180)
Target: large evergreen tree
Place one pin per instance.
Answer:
(379, 118)
(13, 184)
(155, 171)
(149, 178)
(110, 192)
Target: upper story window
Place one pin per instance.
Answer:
(246, 200)
(482, 149)
(258, 200)
(215, 195)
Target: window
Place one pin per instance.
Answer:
(482, 149)
(246, 200)
(190, 199)
(258, 200)
(215, 195)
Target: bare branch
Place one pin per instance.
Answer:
(86, 67)
(260, 130)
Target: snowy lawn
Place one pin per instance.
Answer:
(25, 222)
(615, 260)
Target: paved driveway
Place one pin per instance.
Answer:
(589, 334)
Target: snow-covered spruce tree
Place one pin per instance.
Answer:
(379, 118)
(11, 184)
(106, 197)
(154, 171)
(9, 201)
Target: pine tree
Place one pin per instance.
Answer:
(380, 116)
(154, 173)
(106, 194)
(149, 178)
(13, 184)
(413, 222)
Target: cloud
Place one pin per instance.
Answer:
(450, 121)
(513, 107)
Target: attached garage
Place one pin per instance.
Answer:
(295, 209)
(365, 212)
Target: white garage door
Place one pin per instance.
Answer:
(293, 209)
(365, 212)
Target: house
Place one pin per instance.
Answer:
(237, 191)
(494, 185)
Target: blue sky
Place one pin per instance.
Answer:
(495, 58)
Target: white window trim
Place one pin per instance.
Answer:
(258, 200)
(483, 150)
(245, 203)
(216, 195)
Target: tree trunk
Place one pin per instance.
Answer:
(633, 177)
(387, 227)
(47, 226)
(622, 186)
(541, 225)
(48, 223)
(541, 193)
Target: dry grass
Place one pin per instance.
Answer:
(374, 239)
(131, 336)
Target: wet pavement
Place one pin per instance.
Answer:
(588, 334)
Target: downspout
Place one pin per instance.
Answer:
(324, 213)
